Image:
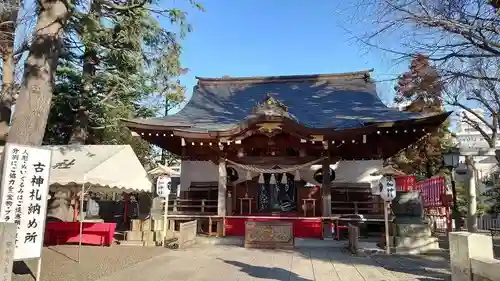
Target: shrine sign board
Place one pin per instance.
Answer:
(269, 234)
(23, 195)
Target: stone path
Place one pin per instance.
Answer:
(226, 263)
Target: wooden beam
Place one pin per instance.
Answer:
(222, 188)
(274, 160)
(326, 193)
(221, 196)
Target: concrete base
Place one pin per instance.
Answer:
(414, 245)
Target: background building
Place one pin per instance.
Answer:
(468, 137)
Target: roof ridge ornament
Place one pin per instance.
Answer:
(271, 107)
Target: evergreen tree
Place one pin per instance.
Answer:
(116, 64)
(420, 90)
(492, 194)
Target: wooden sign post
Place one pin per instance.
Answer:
(163, 189)
(7, 244)
(387, 186)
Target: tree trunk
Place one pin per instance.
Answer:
(8, 89)
(35, 96)
(79, 131)
(7, 34)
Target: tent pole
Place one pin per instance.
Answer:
(81, 219)
(165, 221)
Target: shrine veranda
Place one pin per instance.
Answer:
(300, 149)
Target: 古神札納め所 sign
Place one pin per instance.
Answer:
(24, 190)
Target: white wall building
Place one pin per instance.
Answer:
(468, 137)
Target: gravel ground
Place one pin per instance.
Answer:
(59, 262)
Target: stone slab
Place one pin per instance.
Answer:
(146, 225)
(133, 235)
(135, 225)
(158, 235)
(485, 269)
(157, 224)
(132, 243)
(269, 234)
(151, 243)
(187, 234)
(148, 236)
(463, 247)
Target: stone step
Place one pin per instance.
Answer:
(131, 243)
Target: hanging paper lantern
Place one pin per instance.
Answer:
(387, 186)
(232, 174)
(318, 175)
(284, 179)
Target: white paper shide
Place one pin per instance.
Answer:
(163, 186)
(25, 186)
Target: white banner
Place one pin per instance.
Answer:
(24, 190)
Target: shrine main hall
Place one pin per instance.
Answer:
(301, 148)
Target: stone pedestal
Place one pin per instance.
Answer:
(411, 234)
(413, 237)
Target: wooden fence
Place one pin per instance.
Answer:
(485, 222)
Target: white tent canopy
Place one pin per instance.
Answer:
(114, 167)
(163, 170)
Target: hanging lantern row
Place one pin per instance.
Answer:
(302, 140)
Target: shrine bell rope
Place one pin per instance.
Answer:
(296, 168)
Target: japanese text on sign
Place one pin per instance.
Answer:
(25, 185)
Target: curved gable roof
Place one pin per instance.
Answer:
(337, 101)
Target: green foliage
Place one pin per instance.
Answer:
(492, 194)
(421, 88)
(463, 201)
(117, 62)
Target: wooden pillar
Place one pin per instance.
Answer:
(326, 192)
(221, 198)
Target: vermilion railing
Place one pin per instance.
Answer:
(433, 190)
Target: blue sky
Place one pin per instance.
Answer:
(280, 37)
